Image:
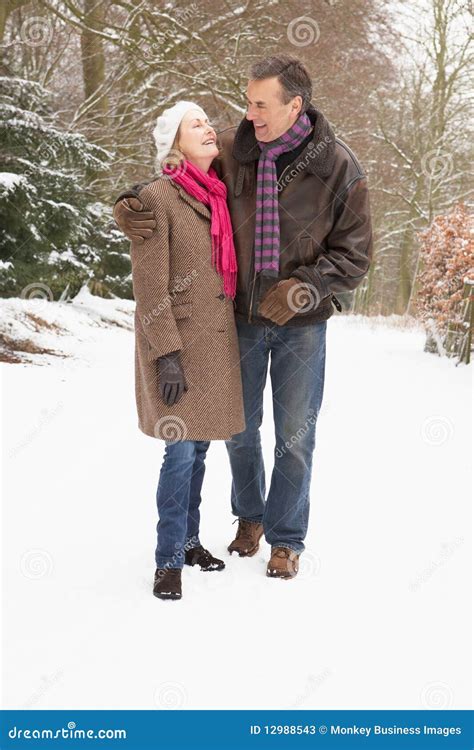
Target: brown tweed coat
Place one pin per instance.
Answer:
(180, 305)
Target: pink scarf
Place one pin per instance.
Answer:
(211, 191)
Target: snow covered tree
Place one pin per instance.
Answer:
(447, 258)
(425, 129)
(54, 234)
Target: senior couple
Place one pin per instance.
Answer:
(238, 248)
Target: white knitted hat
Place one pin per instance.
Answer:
(167, 125)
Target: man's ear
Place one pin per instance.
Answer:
(297, 105)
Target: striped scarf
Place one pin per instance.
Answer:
(267, 228)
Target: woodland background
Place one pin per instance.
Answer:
(82, 82)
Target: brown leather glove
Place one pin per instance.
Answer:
(285, 299)
(131, 217)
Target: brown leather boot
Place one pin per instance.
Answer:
(247, 540)
(284, 563)
(167, 583)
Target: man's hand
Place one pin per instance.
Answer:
(285, 299)
(171, 377)
(136, 223)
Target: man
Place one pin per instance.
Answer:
(299, 204)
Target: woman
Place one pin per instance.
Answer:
(188, 384)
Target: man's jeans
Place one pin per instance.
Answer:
(298, 356)
(178, 498)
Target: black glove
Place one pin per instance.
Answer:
(172, 380)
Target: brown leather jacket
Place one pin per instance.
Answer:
(325, 223)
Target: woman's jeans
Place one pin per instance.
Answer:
(298, 356)
(178, 498)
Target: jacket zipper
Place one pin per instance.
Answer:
(251, 298)
(333, 298)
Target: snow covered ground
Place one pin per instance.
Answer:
(379, 616)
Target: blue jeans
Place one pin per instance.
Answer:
(178, 498)
(298, 356)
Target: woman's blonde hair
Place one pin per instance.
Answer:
(174, 157)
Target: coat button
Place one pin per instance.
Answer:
(220, 296)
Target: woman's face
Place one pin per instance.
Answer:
(196, 138)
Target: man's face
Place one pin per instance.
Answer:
(266, 110)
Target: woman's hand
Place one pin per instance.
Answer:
(172, 380)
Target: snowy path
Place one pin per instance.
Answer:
(379, 616)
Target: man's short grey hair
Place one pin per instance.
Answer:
(291, 73)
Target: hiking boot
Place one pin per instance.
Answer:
(283, 563)
(167, 583)
(247, 540)
(200, 556)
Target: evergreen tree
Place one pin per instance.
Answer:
(55, 232)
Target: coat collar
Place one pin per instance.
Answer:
(197, 205)
(323, 142)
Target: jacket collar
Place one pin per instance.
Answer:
(197, 205)
(323, 144)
